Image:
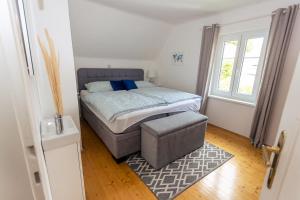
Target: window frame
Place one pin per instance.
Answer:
(242, 38)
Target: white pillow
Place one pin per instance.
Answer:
(99, 86)
(144, 84)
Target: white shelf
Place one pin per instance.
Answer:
(63, 159)
(51, 140)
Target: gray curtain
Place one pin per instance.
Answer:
(208, 45)
(279, 37)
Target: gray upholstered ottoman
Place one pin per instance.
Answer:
(167, 139)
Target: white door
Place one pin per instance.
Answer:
(23, 172)
(13, 168)
(286, 185)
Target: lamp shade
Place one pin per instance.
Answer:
(151, 74)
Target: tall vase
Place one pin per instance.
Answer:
(59, 124)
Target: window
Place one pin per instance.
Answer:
(238, 66)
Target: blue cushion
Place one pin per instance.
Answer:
(129, 84)
(117, 85)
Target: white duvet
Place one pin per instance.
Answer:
(121, 122)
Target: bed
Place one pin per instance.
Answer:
(121, 133)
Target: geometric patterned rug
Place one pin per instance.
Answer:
(171, 180)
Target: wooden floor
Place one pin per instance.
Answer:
(240, 178)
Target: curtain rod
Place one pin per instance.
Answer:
(253, 18)
(245, 20)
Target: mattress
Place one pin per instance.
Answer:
(121, 123)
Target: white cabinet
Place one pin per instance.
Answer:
(63, 160)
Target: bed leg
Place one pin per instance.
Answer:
(120, 160)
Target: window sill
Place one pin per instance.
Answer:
(232, 100)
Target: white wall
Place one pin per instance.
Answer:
(103, 35)
(187, 39)
(235, 117)
(54, 16)
(85, 62)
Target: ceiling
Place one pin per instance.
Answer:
(175, 11)
(105, 32)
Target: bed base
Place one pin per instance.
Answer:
(122, 144)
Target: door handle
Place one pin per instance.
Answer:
(268, 151)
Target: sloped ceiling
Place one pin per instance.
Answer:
(99, 31)
(176, 11)
(133, 29)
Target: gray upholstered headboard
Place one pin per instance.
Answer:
(87, 75)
